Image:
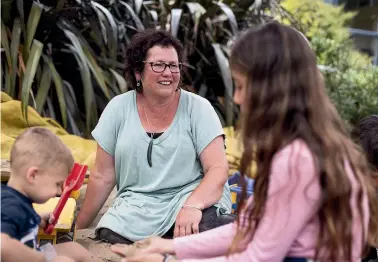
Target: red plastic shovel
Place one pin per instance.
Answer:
(73, 182)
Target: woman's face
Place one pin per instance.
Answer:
(241, 83)
(158, 78)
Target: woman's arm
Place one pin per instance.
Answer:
(215, 167)
(208, 192)
(101, 182)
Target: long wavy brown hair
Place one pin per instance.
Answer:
(286, 100)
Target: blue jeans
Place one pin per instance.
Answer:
(209, 220)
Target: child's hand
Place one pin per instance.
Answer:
(46, 218)
(151, 245)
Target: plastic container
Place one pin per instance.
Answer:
(234, 182)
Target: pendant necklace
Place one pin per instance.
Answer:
(149, 150)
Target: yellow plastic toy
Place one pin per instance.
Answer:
(65, 222)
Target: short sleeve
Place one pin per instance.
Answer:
(106, 130)
(12, 218)
(205, 123)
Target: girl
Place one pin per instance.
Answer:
(312, 198)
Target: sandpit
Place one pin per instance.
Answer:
(86, 236)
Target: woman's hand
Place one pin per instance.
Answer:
(148, 246)
(187, 222)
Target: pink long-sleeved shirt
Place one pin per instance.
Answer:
(289, 227)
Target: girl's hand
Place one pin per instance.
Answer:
(150, 245)
(148, 258)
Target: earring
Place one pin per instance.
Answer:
(138, 83)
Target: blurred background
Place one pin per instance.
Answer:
(64, 58)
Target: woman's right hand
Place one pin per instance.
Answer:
(151, 245)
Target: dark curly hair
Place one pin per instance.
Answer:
(368, 134)
(136, 52)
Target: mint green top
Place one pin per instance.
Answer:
(149, 198)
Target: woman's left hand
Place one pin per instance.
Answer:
(187, 222)
(147, 258)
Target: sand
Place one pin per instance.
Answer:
(85, 236)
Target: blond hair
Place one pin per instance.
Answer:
(39, 147)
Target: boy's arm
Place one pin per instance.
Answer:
(13, 250)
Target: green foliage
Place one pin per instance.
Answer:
(351, 79)
(317, 18)
(65, 57)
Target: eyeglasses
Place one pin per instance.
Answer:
(160, 67)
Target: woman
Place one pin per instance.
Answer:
(164, 149)
(311, 197)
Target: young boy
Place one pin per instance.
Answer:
(40, 163)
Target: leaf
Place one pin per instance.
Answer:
(20, 9)
(33, 20)
(203, 90)
(70, 93)
(5, 44)
(72, 109)
(50, 109)
(59, 90)
(7, 80)
(175, 20)
(195, 9)
(155, 17)
(95, 68)
(81, 59)
(230, 15)
(60, 4)
(162, 7)
(138, 6)
(120, 80)
(97, 71)
(110, 30)
(43, 89)
(226, 10)
(111, 80)
(6, 11)
(27, 81)
(97, 34)
(245, 4)
(102, 20)
(74, 128)
(257, 4)
(227, 80)
(15, 44)
(139, 25)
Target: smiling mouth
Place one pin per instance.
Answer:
(165, 83)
